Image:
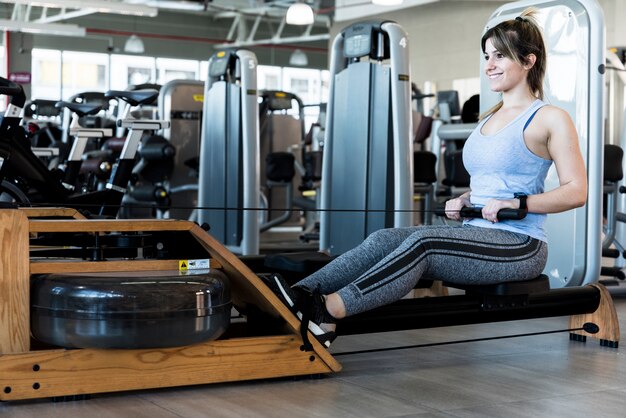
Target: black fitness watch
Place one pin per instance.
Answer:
(522, 200)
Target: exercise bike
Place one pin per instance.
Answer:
(26, 180)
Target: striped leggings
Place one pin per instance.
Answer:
(388, 264)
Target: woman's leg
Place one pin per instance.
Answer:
(356, 262)
(462, 254)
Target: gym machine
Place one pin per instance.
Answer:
(82, 136)
(181, 102)
(281, 136)
(228, 195)
(21, 167)
(368, 125)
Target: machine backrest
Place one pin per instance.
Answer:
(574, 34)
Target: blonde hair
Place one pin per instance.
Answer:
(516, 39)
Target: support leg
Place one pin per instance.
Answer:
(605, 317)
(14, 283)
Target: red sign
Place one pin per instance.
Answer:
(20, 77)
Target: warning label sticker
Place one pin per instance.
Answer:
(202, 264)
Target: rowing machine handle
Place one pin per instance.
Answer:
(476, 212)
(9, 88)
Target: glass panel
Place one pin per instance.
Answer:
(204, 70)
(3, 72)
(46, 74)
(467, 87)
(325, 77)
(82, 71)
(129, 70)
(269, 77)
(176, 69)
(306, 84)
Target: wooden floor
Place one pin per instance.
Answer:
(532, 376)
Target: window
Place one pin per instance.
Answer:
(467, 87)
(3, 71)
(129, 70)
(83, 72)
(175, 69)
(269, 77)
(58, 75)
(306, 84)
(46, 74)
(3, 66)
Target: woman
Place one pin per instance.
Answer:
(507, 156)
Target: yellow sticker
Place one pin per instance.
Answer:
(198, 97)
(183, 265)
(221, 54)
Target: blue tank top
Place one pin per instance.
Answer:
(501, 165)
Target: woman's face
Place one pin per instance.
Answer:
(503, 73)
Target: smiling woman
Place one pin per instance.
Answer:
(508, 156)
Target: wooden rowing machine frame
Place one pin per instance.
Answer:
(34, 372)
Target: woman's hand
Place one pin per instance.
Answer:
(454, 206)
(493, 206)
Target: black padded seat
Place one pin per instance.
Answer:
(81, 109)
(537, 285)
(135, 98)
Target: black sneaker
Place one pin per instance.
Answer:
(298, 300)
(313, 304)
(287, 294)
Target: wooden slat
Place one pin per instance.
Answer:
(73, 372)
(14, 283)
(250, 289)
(52, 212)
(69, 266)
(28, 374)
(115, 225)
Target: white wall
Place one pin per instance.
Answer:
(615, 19)
(444, 37)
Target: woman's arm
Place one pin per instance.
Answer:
(454, 206)
(564, 150)
(553, 136)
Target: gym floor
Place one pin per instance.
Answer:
(532, 376)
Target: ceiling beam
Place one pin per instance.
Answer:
(98, 6)
(355, 9)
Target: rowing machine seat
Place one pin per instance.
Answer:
(536, 285)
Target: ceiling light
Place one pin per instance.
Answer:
(134, 45)
(298, 58)
(300, 14)
(59, 29)
(387, 2)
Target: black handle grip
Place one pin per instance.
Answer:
(9, 88)
(475, 212)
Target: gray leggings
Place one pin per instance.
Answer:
(388, 264)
